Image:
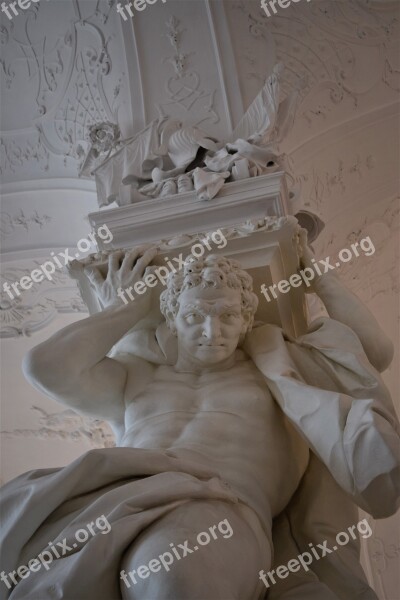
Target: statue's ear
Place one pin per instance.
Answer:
(247, 318)
(170, 321)
(171, 325)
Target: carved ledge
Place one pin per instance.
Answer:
(154, 220)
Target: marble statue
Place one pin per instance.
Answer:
(282, 437)
(154, 160)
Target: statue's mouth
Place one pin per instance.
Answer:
(212, 345)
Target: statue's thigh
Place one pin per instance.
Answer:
(225, 565)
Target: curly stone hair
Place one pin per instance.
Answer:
(211, 271)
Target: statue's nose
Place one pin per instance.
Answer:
(211, 328)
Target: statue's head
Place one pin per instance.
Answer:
(209, 305)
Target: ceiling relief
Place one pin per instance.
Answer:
(83, 101)
(384, 557)
(371, 278)
(10, 223)
(321, 186)
(15, 154)
(185, 96)
(340, 51)
(36, 308)
(68, 68)
(64, 68)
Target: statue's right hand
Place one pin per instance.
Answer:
(124, 270)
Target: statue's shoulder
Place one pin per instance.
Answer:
(133, 363)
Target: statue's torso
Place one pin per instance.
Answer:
(228, 420)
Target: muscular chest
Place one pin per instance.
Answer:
(240, 390)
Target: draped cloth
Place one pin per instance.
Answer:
(337, 401)
(131, 487)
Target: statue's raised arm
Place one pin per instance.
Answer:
(72, 366)
(345, 307)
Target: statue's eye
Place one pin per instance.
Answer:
(230, 316)
(193, 318)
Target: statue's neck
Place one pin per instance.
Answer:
(186, 364)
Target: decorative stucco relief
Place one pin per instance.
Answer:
(16, 153)
(184, 90)
(381, 224)
(10, 223)
(320, 187)
(70, 84)
(36, 308)
(69, 426)
(382, 556)
(339, 50)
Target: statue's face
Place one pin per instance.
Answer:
(209, 324)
